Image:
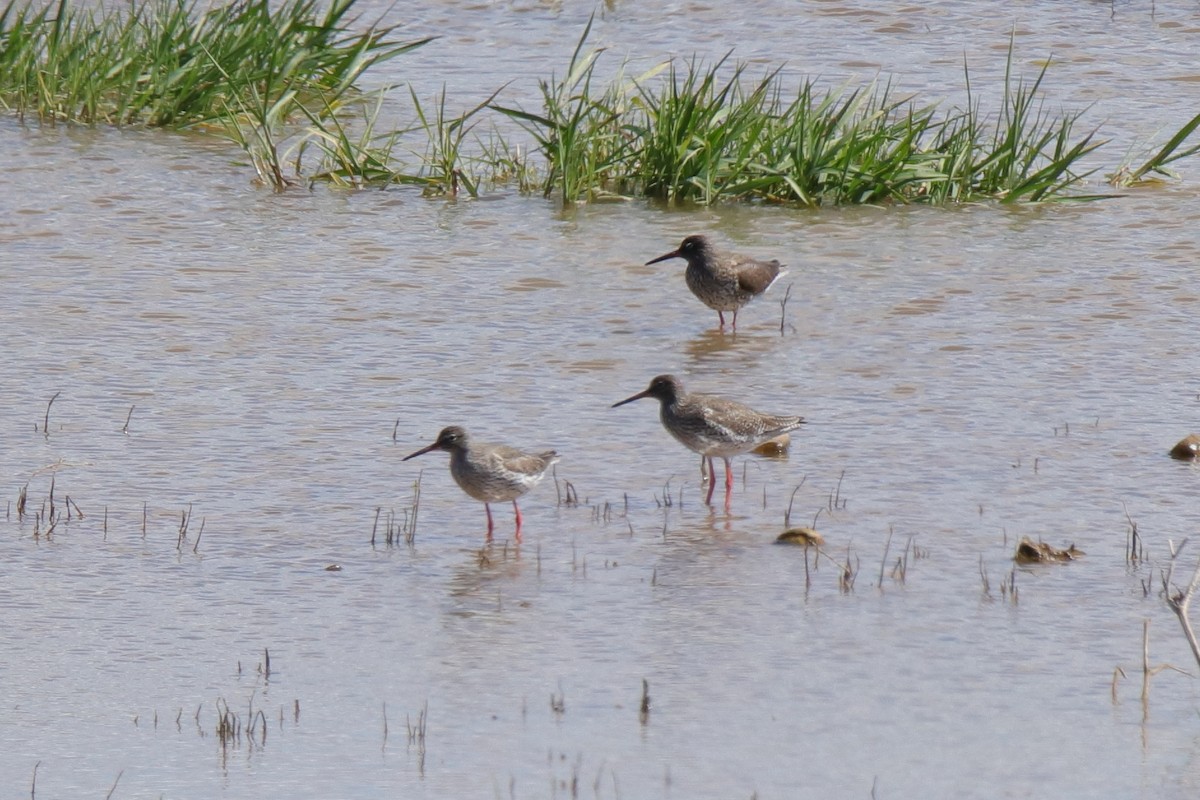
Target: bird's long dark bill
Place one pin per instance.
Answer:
(664, 257)
(637, 396)
(422, 451)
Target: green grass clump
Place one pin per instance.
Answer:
(248, 70)
(280, 82)
(168, 63)
(709, 134)
(583, 135)
(695, 133)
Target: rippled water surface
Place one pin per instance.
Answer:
(970, 376)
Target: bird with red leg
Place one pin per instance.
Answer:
(713, 426)
(491, 473)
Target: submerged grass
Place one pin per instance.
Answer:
(1157, 163)
(447, 167)
(280, 82)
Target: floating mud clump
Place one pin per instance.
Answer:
(1187, 449)
(774, 447)
(1031, 552)
(805, 537)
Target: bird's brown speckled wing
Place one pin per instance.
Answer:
(733, 419)
(775, 425)
(739, 421)
(524, 463)
(756, 276)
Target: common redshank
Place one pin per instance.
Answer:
(711, 425)
(723, 281)
(491, 473)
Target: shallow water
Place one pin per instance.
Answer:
(970, 376)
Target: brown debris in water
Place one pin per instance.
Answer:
(805, 537)
(1188, 448)
(1031, 552)
(775, 447)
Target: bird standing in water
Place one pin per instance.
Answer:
(723, 281)
(491, 473)
(712, 426)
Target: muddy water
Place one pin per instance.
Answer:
(970, 376)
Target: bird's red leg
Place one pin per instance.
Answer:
(491, 524)
(517, 536)
(733, 326)
(712, 482)
(721, 316)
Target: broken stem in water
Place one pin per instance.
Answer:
(1180, 600)
(46, 432)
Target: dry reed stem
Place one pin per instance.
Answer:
(410, 533)
(1146, 673)
(114, 786)
(185, 519)
(1179, 601)
(783, 308)
(1117, 673)
(807, 574)
(664, 500)
(848, 572)
(46, 432)
(416, 735)
(883, 561)
(1008, 587)
(835, 497)
(71, 503)
(1135, 552)
(787, 515)
(901, 567)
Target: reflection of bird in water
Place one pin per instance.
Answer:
(711, 344)
(711, 425)
(743, 351)
(491, 473)
(723, 281)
